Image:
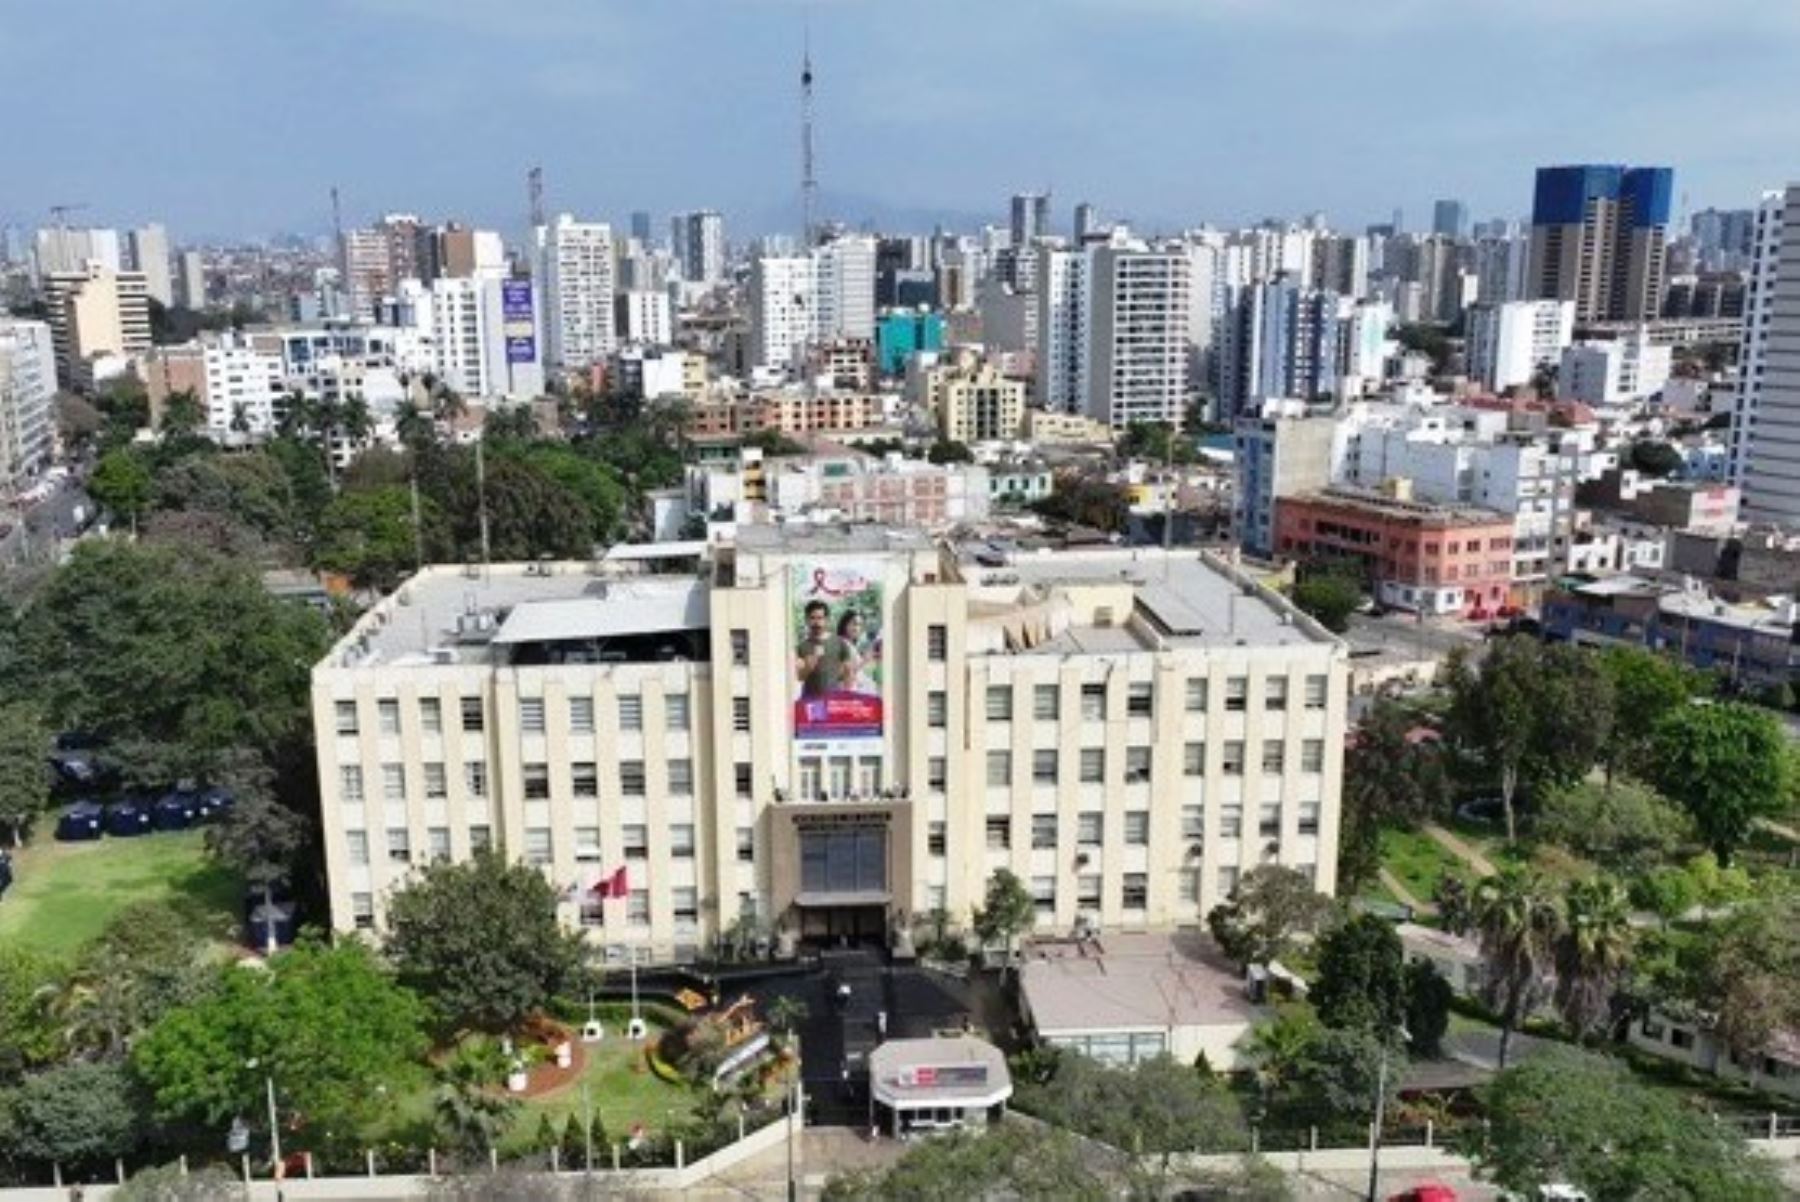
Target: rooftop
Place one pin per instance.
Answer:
(1129, 982)
(1380, 505)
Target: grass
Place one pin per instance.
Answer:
(1418, 860)
(620, 1087)
(64, 894)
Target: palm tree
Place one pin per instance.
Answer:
(469, 1113)
(1281, 1050)
(785, 1012)
(1517, 921)
(414, 427)
(1592, 952)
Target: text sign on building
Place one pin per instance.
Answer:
(836, 616)
(946, 1076)
(518, 324)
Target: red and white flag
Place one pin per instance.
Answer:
(615, 885)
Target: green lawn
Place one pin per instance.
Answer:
(620, 1087)
(1418, 860)
(64, 894)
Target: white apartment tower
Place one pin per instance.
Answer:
(150, 256)
(1511, 341)
(95, 312)
(697, 243)
(578, 292)
(27, 399)
(1138, 334)
(783, 309)
(845, 283)
(1759, 295)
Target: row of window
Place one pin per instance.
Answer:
(684, 902)
(677, 714)
(584, 780)
(540, 845)
(1090, 827)
(1046, 762)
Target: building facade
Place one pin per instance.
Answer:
(579, 321)
(979, 404)
(1126, 731)
(27, 400)
(95, 312)
(1599, 239)
(1511, 342)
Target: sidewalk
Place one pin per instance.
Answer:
(1458, 847)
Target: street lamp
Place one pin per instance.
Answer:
(1381, 1070)
(274, 1118)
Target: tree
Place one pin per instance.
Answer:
(1428, 998)
(481, 940)
(77, 1114)
(1579, 1118)
(947, 450)
(597, 485)
(1518, 922)
(1455, 905)
(27, 1032)
(327, 1025)
(1006, 911)
(148, 960)
(122, 484)
(1728, 764)
(1329, 596)
(1668, 891)
(1624, 824)
(1534, 714)
(1084, 499)
(1393, 776)
(259, 839)
(370, 537)
(1345, 1069)
(1747, 966)
(174, 1183)
(1646, 688)
(1281, 1050)
(1011, 1161)
(517, 423)
(250, 487)
(24, 783)
(1158, 1107)
(182, 415)
(1652, 457)
(1271, 905)
(467, 1110)
(1592, 952)
(1362, 976)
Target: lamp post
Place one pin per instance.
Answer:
(274, 1118)
(1381, 1070)
(795, 1100)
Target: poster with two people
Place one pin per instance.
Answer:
(837, 623)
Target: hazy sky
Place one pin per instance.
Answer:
(232, 117)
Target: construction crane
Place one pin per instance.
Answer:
(59, 212)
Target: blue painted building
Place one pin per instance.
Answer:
(1598, 238)
(1753, 644)
(901, 332)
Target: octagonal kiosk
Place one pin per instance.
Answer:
(918, 1086)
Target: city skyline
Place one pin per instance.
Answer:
(442, 107)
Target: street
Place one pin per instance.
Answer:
(34, 535)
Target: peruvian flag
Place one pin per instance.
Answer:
(612, 886)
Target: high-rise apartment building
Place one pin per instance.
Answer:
(976, 403)
(642, 318)
(697, 244)
(92, 313)
(1759, 296)
(1449, 218)
(1598, 238)
(150, 256)
(193, 280)
(579, 316)
(845, 280)
(27, 399)
(1030, 217)
(63, 250)
(481, 332)
(640, 227)
(1508, 344)
(783, 309)
(1138, 354)
(1280, 340)
(241, 388)
(833, 731)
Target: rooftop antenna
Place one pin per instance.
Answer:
(534, 190)
(337, 230)
(809, 184)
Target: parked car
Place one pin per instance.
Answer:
(214, 804)
(176, 810)
(128, 818)
(82, 821)
(6, 872)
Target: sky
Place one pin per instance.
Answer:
(234, 118)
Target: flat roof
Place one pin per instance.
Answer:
(940, 1069)
(423, 614)
(611, 608)
(1133, 982)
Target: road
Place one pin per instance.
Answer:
(33, 538)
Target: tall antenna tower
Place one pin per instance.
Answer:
(809, 184)
(337, 231)
(534, 189)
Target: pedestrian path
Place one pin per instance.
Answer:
(1405, 896)
(1461, 849)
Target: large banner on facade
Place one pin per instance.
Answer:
(518, 323)
(836, 617)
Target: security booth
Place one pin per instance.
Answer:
(918, 1086)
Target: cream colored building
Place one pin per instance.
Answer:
(1048, 426)
(96, 311)
(979, 404)
(1126, 730)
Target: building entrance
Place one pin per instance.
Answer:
(833, 926)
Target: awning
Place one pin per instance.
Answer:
(866, 897)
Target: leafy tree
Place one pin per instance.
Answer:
(1748, 964)
(1654, 458)
(1428, 998)
(1728, 764)
(1329, 596)
(1362, 975)
(480, 939)
(77, 421)
(1572, 1116)
(1155, 441)
(1455, 904)
(1087, 500)
(1271, 905)
(369, 536)
(259, 839)
(517, 423)
(28, 1036)
(530, 515)
(1391, 778)
(326, 1024)
(1518, 923)
(173, 1183)
(1646, 688)
(1623, 824)
(1012, 1161)
(145, 963)
(1534, 714)
(946, 450)
(1592, 952)
(309, 484)
(1345, 1069)
(182, 415)
(24, 784)
(597, 485)
(1006, 911)
(1668, 891)
(1281, 1050)
(250, 487)
(1158, 1107)
(122, 484)
(77, 1114)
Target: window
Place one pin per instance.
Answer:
(531, 715)
(1090, 828)
(584, 777)
(999, 769)
(1275, 693)
(999, 703)
(937, 708)
(999, 832)
(1136, 892)
(1317, 690)
(810, 789)
(1231, 821)
(1043, 832)
(1137, 765)
(1046, 702)
(346, 717)
(1231, 762)
(471, 714)
(1139, 699)
(1196, 695)
(1237, 694)
(1193, 822)
(1268, 820)
(387, 714)
(437, 787)
(362, 911)
(937, 643)
(685, 901)
(593, 910)
(437, 844)
(740, 780)
(681, 778)
(1193, 759)
(1137, 828)
(1189, 883)
(1274, 756)
(431, 715)
(637, 907)
(937, 773)
(1087, 891)
(746, 844)
(356, 846)
(1043, 766)
(1312, 755)
(631, 713)
(631, 778)
(481, 838)
(581, 715)
(1309, 817)
(1043, 894)
(537, 782)
(740, 647)
(537, 845)
(1093, 703)
(635, 837)
(475, 778)
(681, 840)
(350, 787)
(587, 844)
(399, 845)
(675, 711)
(1228, 882)
(393, 782)
(937, 836)
(1093, 765)
(936, 898)
(740, 715)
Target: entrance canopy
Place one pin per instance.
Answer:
(927, 1074)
